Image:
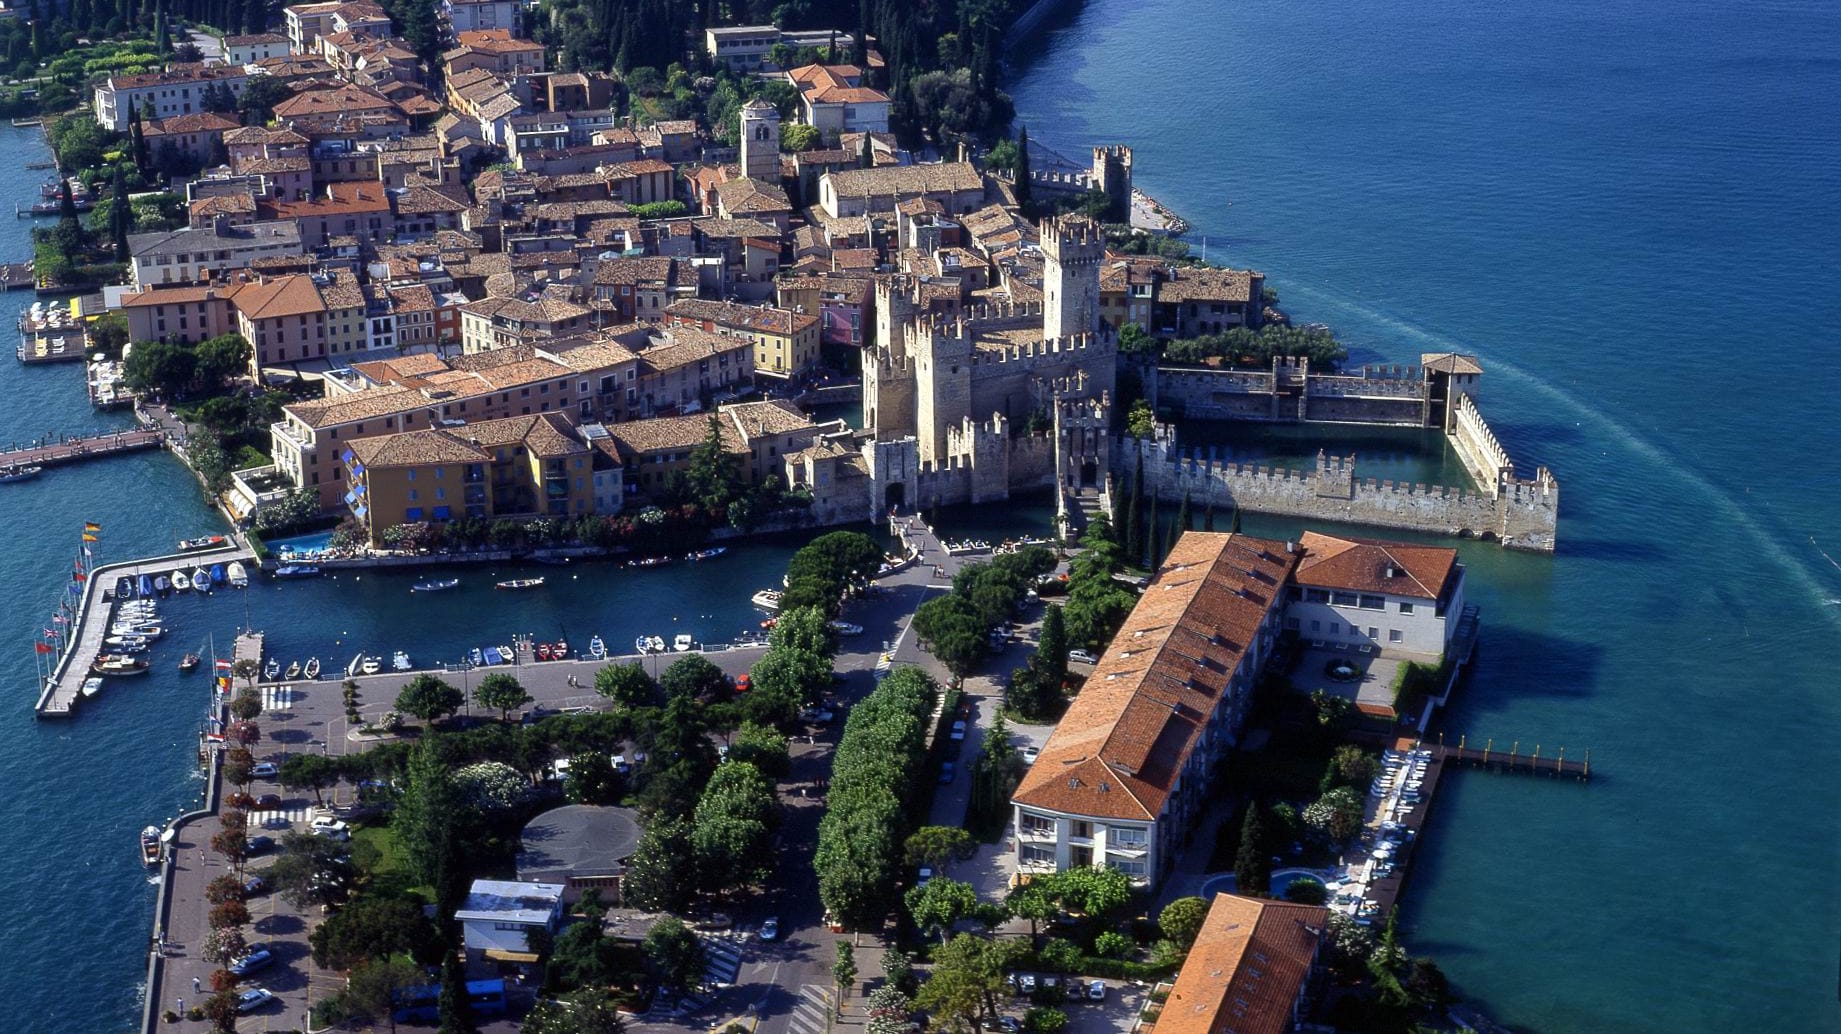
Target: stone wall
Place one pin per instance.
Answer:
(1477, 446)
(1393, 396)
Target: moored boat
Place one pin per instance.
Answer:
(710, 553)
(239, 578)
(150, 846)
(16, 472)
(297, 571)
(118, 664)
(201, 579)
(543, 651)
(492, 655)
(182, 582)
(507, 655)
(437, 585)
(559, 649)
(596, 648)
(217, 574)
(312, 670)
(124, 588)
(479, 658)
(372, 665)
(202, 542)
(272, 670)
(681, 642)
(655, 643)
(520, 583)
(356, 664)
(767, 599)
(92, 686)
(641, 644)
(399, 662)
(293, 671)
(162, 586)
(190, 662)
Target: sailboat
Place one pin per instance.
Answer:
(201, 579)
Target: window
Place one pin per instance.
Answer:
(1373, 632)
(1394, 636)
(1036, 854)
(1335, 628)
(1083, 829)
(1316, 626)
(1291, 623)
(1374, 602)
(413, 513)
(1128, 836)
(1345, 599)
(1319, 596)
(1406, 608)
(1128, 866)
(1038, 824)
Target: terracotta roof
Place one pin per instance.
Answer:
(744, 196)
(834, 84)
(343, 98)
(273, 166)
(1125, 739)
(197, 122)
(629, 271)
(1450, 362)
(416, 449)
(1368, 565)
(282, 296)
(492, 41)
(902, 180)
(178, 74)
(1246, 969)
(264, 135)
(1206, 285)
(731, 228)
(671, 432)
(681, 346)
(746, 317)
(773, 417)
(224, 204)
(167, 296)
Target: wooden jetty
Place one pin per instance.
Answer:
(74, 449)
(58, 698)
(16, 276)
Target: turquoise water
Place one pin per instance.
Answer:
(1627, 208)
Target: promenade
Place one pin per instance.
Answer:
(310, 716)
(74, 449)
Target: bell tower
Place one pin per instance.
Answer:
(1072, 250)
(760, 141)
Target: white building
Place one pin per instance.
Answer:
(191, 254)
(471, 15)
(247, 50)
(1375, 596)
(499, 915)
(180, 91)
(1128, 770)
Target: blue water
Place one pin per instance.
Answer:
(1628, 209)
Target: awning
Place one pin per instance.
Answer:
(502, 955)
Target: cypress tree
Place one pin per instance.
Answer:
(456, 1010)
(859, 44)
(121, 217)
(1024, 189)
(1208, 516)
(1185, 519)
(1052, 647)
(162, 41)
(1154, 537)
(255, 16)
(1252, 864)
(67, 207)
(140, 141)
(1235, 525)
(1134, 508)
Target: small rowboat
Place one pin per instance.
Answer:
(520, 583)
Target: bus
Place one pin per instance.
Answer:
(423, 1004)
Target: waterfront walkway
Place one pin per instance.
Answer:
(73, 449)
(59, 696)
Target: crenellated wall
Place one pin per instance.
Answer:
(1477, 446)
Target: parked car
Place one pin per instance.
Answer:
(265, 770)
(1096, 991)
(958, 730)
(947, 771)
(268, 801)
(259, 845)
(770, 928)
(256, 957)
(921, 877)
(254, 885)
(1026, 983)
(1031, 753)
(327, 826)
(254, 998)
(1083, 656)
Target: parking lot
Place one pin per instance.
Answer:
(1113, 1014)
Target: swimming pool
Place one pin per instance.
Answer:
(301, 543)
(1226, 884)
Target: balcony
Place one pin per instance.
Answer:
(1041, 835)
(256, 487)
(282, 429)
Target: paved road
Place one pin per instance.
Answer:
(774, 981)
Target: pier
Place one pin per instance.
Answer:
(58, 698)
(74, 449)
(16, 276)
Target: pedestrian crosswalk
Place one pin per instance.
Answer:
(722, 953)
(277, 698)
(279, 818)
(812, 1013)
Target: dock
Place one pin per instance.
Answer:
(75, 449)
(16, 276)
(62, 691)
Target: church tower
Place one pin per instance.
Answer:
(1072, 249)
(761, 141)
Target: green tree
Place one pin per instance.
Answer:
(803, 629)
(428, 813)
(798, 137)
(593, 779)
(1034, 901)
(1044, 1019)
(1181, 920)
(763, 747)
(121, 217)
(429, 698)
(658, 876)
(673, 954)
(1051, 656)
(941, 903)
(732, 831)
(1094, 892)
(1336, 816)
(1135, 340)
(898, 972)
(953, 630)
(584, 956)
(500, 692)
(586, 1011)
(454, 1006)
(161, 369)
(221, 359)
(1025, 185)
(694, 677)
(1306, 891)
(256, 103)
(934, 846)
(371, 989)
(627, 685)
(712, 475)
(373, 927)
(313, 772)
(1253, 861)
(782, 682)
(844, 971)
(968, 973)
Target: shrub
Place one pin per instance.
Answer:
(1306, 891)
(1111, 945)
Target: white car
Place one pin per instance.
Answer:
(1082, 656)
(1031, 753)
(254, 998)
(265, 770)
(327, 826)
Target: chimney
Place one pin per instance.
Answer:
(1291, 546)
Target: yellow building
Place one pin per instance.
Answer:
(516, 467)
(785, 342)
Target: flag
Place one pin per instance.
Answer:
(91, 526)
(74, 590)
(87, 537)
(78, 575)
(49, 634)
(43, 648)
(87, 555)
(59, 618)
(223, 665)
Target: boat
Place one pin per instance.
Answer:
(596, 648)
(239, 578)
(150, 846)
(297, 571)
(492, 655)
(543, 651)
(352, 668)
(372, 665)
(399, 662)
(162, 586)
(190, 662)
(681, 642)
(478, 657)
(217, 574)
(655, 643)
(293, 671)
(181, 582)
(92, 686)
(15, 472)
(201, 579)
(118, 664)
(144, 585)
(312, 670)
(509, 655)
(124, 588)
(202, 542)
(272, 670)
(559, 649)
(767, 599)
(436, 586)
(128, 643)
(642, 645)
(710, 553)
(520, 583)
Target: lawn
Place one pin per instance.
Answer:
(376, 850)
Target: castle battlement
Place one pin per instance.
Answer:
(1034, 350)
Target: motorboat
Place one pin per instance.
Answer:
(399, 661)
(767, 599)
(144, 585)
(510, 655)
(353, 668)
(201, 579)
(372, 665)
(438, 585)
(559, 649)
(92, 686)
(150, 846)
(596, 648)
(181, 582)
(312, 670)
(239, 578)
(201, 542)
(118, 664)
(272, 670)
(162, 586)
(124, 588)
(297, 571)
(710, 553)
(293, 671)
(520, 583)
(681, 642)
(16, 472)
(217, 574)
(492, 655)
(478, 657)
(656, 643)
(641, 644)
(125, 643)
(190, 662)
(543, 651)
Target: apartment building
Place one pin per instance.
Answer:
(192, 254)
(785, 342)
(178, 90)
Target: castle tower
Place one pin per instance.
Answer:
(760, 141)
(1072, 249)
(1112, 174)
